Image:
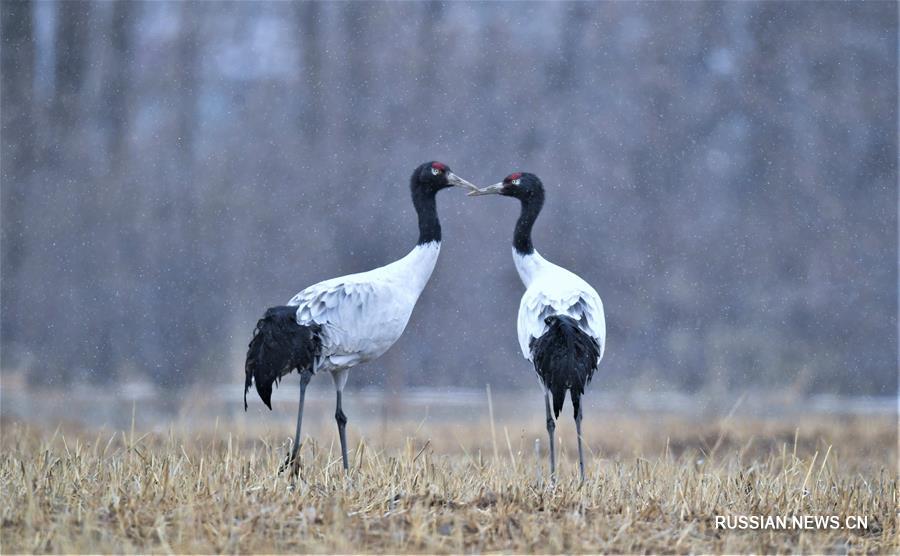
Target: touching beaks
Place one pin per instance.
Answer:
(489, 190)
(453, 179)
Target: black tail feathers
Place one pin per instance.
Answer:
(279, 345)
(565, 357)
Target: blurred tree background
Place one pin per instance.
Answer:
(724, 173)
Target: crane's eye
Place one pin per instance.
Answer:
(435, 171)
(516, 181)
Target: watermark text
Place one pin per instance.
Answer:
(779, 522)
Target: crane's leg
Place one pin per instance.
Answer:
(577, 403)
(551, 426)
(342, 429)
(292, 461)
(340, 379)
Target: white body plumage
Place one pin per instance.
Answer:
(553, 290)
(363, 314)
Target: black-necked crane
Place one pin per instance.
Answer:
(337, 324)
(561, 325)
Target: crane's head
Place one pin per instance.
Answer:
(433, 176)
(521, 185)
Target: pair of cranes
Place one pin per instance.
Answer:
(337, 324)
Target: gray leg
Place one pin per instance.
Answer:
(578, 431)
(292, 460)
(342, 429)
(551, 426)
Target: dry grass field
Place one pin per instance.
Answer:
(655, 485)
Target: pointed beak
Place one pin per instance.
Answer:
(489, 190)
(453, 179)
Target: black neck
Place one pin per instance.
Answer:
(531, 207)
(426, 208)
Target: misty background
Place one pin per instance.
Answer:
(724, 174)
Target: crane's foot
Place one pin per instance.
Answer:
(285, 465)
(292, 463)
